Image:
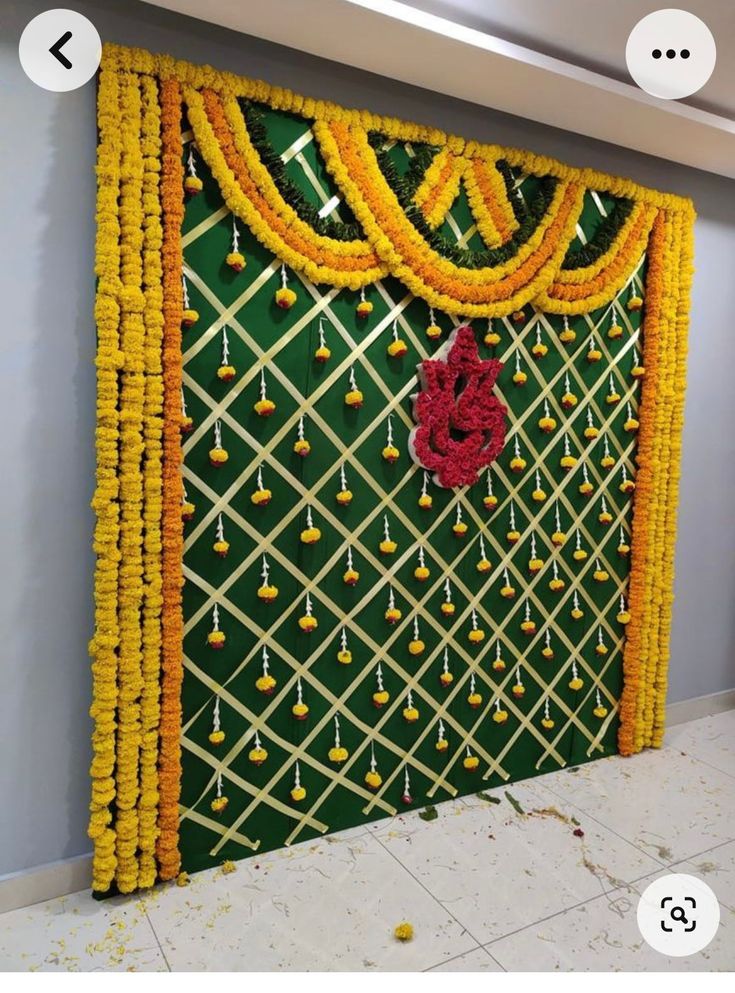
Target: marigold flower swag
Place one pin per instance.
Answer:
(139, 499)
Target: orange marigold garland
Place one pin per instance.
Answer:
(169, 776)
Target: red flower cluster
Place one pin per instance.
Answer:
(460, 423)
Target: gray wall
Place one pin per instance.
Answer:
(47, 396)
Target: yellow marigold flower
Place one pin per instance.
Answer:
(338, 755)
(491, 339)
(308, 623)
(579, 554)
(193, 185)
(265, 684)
(512, 536)
(354, 398)
(614, 331)
(344, 497)
(226, 373)
(577, 613)
(236, 261)
(387, 546)
(433, 332)
(518, 690)
(470, 762)
(605, 517)
(373, 780)
(218, 804)
(267, 593)
(216, 737)
(298, 793)
(257, 756)
(518, 316)
(547, 723)
(309, 536)
(187, 511)
(556, 584)
(351, 577)
(416, 646)
(421, 573)
(601, 649)
(446, 678)
(476, 635)
(535, 565)
(490, 501)
(612, 398)
(344, 656)
(300, 711)
(403, 931)
(484, 565)
(261, 497)
(264, 408)
(218, 456)
(631, 424)
(591, 432)
(390, 453)
(448, 609)
(517, 464)
(569, 400)
(459, 528)
(568, 462)
(221, 548)
(285, 297)
(397, 349)
(623, 549)
(364, 308)
(586, 488)
(576, 683)
(600, 712)
(594, 355)
(380, 698)
(547, 652)
(520, 377)
(547, 424)
(500, 716)
(189, 317)
(607, 461)
(183, 879)
(474, 700)
(627, 486)
(216, 639)
(425, 501)
(228, 867)
(558, 538)
(635, 302)
(323, 354)
(410, 714)
(638, 371)
(567, 336)
(393, 615)
(187, 424)
(302, 447)
(499, 665)
(539, 350)
(600, 575)
(528, 627)
(441, 745)
(507, 592)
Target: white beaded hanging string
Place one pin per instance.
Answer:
(373, 763)
(445, 662)
(406, 782)
(458, 519)
(352, 380)
(483, 556)
(440, 731)
(416, 635)
(379, 678)
(389, 432)
(300, 429)
(547, 638)
(190, 161)
(220, 532)
(219, 785)
(284, 278)
(575, 601)
(215, 618)
(322, 340)
(225, 346)
(447, 592)
(519, 681)
(215, 717)
(474, 619)
(578, 541)
(297, 777)
(262, 385)
(512, 516)
(265, 571)
(349, 558)
(342, 477)
(184, 292)
(489, 483)
(343, 640)
(422, 561)
(546, 709)
(217, 434)
(307, 606)
(266, 658)
(557, 518)
(235, 236)
(425, 484)
(391, 599)
(386, 529)
(260, 478)
(336, 732)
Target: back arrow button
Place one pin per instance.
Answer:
(56, 49)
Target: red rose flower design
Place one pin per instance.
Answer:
(460, 423)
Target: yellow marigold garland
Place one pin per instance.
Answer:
(103, 646)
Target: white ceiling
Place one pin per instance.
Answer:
(593, 33)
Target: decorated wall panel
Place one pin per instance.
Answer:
(388, 448)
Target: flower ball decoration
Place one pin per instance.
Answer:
(492, 338)
(216, 737)
(547, 721)
(257, 755)
(612, 397)
(623, 614)
(448, 609)
(547, 652)
(364, 307)
(387, 546)
(226, 373)
(416, 645)
(236, 261)
(398, 347)
(568, 399)
(490, 501)
(507, 590)
(344, 655)
(381, 696)
(300, 710)
(285, 298)
(445, 676)
(459, 528)
(593, 352)
(218, 455)
(518, 316)
(539, 350)
(219, 804)
(410, 712)
(353, 397)
(390, 453)
(261, 497)
(600, 710)
(483, 564)
(373, 779)
(567, 335)
(216, 639)
(433, 330)
(267, 593)
(476, 635)
(558, 538)
(188, 509)
(338, 754)
(189, 317)
(576, 682)
(615, 330)
(425, 501)
(457, 434)
(547, 423)
(193, 185)
(220, 546)
(421, 571)
(576, 612)
(265, 684)
(298, 793)
(557, 584)
(308, 623)
(350, 577)
(470, 762)
(635, 302)
(518, 689)
(310, 534)
(403, 931)
(344, 497)
(500, 716)
(393, 615)
(600, 575)
(474, 699)
(499, 664)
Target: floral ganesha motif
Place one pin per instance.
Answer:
(460, 424)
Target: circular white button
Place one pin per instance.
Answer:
(671, 53)
(678, 914)
(60, 50)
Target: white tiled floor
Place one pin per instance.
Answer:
(486, 888)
